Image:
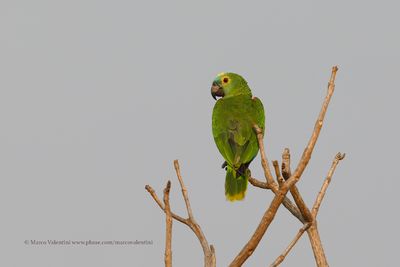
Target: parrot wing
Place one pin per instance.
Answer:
(250, 149)
(234, 136)
(259, 114)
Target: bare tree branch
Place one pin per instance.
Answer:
(209, 254)
(316, 245)
(264, 160)
(281, 257)
(168, 230)
(305, 158)
(286, 201)
(184, 191)
(311, 227)
(262, 227)
(209, 251)
(312, 232)
(278, 175)
(160, 204)
(298, 199)
(257, 183)
(325, 185)
(269, 214)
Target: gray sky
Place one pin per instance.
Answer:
(99, 97)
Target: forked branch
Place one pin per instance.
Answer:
(314, 213)
(289, 205)
(208, 250)
(312, 229)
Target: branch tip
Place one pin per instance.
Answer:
(340, 156)
(286, 152)
(278, 174)
(167, 187)
(176, 163)
(149, 188)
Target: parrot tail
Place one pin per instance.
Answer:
(236, 183)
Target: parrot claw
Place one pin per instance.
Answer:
(224, 165)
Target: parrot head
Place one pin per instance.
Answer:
(228, 84)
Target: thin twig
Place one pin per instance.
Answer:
(257, 183)
(312, 232)
(278, 175)
(281, 257)
(325, 185)
(269, 214)
(168, 230)
(298, 199)
(184, 191)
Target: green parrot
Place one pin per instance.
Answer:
(233, 118)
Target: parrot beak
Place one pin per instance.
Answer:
(216, 90)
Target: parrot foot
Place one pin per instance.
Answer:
(243, 168)
(224, 165)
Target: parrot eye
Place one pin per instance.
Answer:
(225, 80)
